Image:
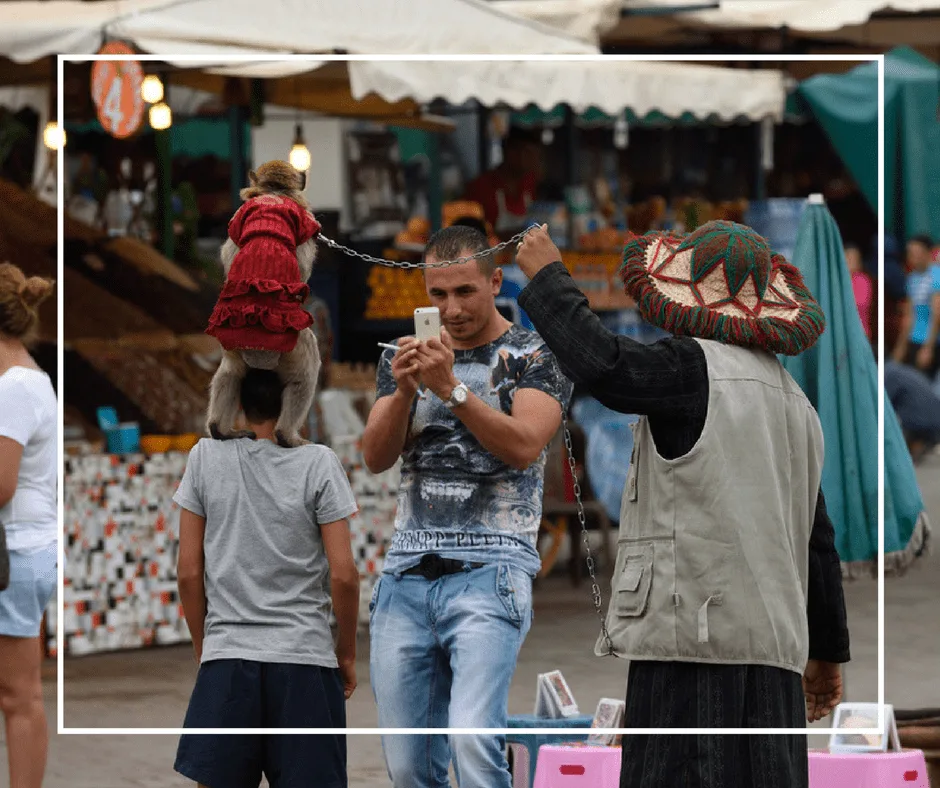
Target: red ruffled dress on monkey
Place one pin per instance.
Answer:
(261, 304)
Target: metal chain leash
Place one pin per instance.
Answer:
(595, 589)
(517, 238)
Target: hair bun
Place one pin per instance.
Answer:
(35, 290)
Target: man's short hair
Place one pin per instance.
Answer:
(261, 395)
(923, 239)
(460, 241)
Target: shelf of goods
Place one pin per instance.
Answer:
(121, 541)
(396, 292)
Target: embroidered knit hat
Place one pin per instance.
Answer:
(722, 282)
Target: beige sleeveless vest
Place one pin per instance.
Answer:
(714, 546)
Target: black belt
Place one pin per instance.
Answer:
(433, 566)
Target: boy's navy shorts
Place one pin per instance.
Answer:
(239, 693)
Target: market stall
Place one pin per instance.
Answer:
(120, 519)
(590, 222)
(135, 348)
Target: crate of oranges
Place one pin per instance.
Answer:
(394, 293)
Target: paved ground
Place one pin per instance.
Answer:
(150, 689)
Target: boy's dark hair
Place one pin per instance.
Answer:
(923, 239)
(459, 241)
(261, 395)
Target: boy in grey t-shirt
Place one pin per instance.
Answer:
(264, 555)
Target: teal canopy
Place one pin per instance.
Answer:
(193, 137)
(846, 106)
(840, 376)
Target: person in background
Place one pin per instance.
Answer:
(507, 191)
(862, 286)
(895, 286)
(920, 324)
(264, 555)
(29, 520)
(917, 406)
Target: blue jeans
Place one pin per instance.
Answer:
(443, 653)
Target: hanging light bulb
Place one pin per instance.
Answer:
(300, 154)
(151, 90)
(53, 136)
(160, 116)
(548, 136)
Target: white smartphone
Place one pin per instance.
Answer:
(427, 323)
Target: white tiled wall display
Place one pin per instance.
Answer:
(120, 552)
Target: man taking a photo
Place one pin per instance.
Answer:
(454, 603)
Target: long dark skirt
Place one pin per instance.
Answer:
(691, 695)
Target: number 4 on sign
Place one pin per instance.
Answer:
(111, 107)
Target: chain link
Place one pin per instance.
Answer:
(595, 589)
(407, 264)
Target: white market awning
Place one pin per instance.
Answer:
(804, 15)
(609, 85)
(32, 29)
(354, 26)
(584, 19)
(867, 24)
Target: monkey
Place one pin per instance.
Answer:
(259, 317)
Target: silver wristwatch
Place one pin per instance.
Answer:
(458, 396)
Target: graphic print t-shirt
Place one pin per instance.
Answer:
(456, 499)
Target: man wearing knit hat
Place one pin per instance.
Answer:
(727, 592)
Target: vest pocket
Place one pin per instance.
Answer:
(633, 584)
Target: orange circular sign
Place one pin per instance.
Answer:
(115, 89)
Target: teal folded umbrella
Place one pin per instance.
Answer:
(840, 377)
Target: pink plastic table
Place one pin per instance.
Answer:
(577, 767)
(906, 769)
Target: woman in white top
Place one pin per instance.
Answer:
(28, 513)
